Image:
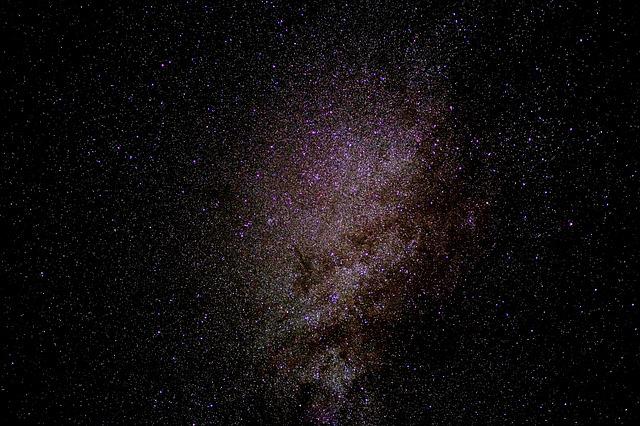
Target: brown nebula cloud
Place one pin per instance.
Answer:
(360, 204)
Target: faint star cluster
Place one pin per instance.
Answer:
(357, 212)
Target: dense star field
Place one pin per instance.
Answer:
(307, 213)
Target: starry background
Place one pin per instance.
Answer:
(351, 213)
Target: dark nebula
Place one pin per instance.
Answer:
(308, 213)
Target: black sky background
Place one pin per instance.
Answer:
(125, 124)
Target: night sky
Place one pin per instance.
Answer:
(219, 212)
